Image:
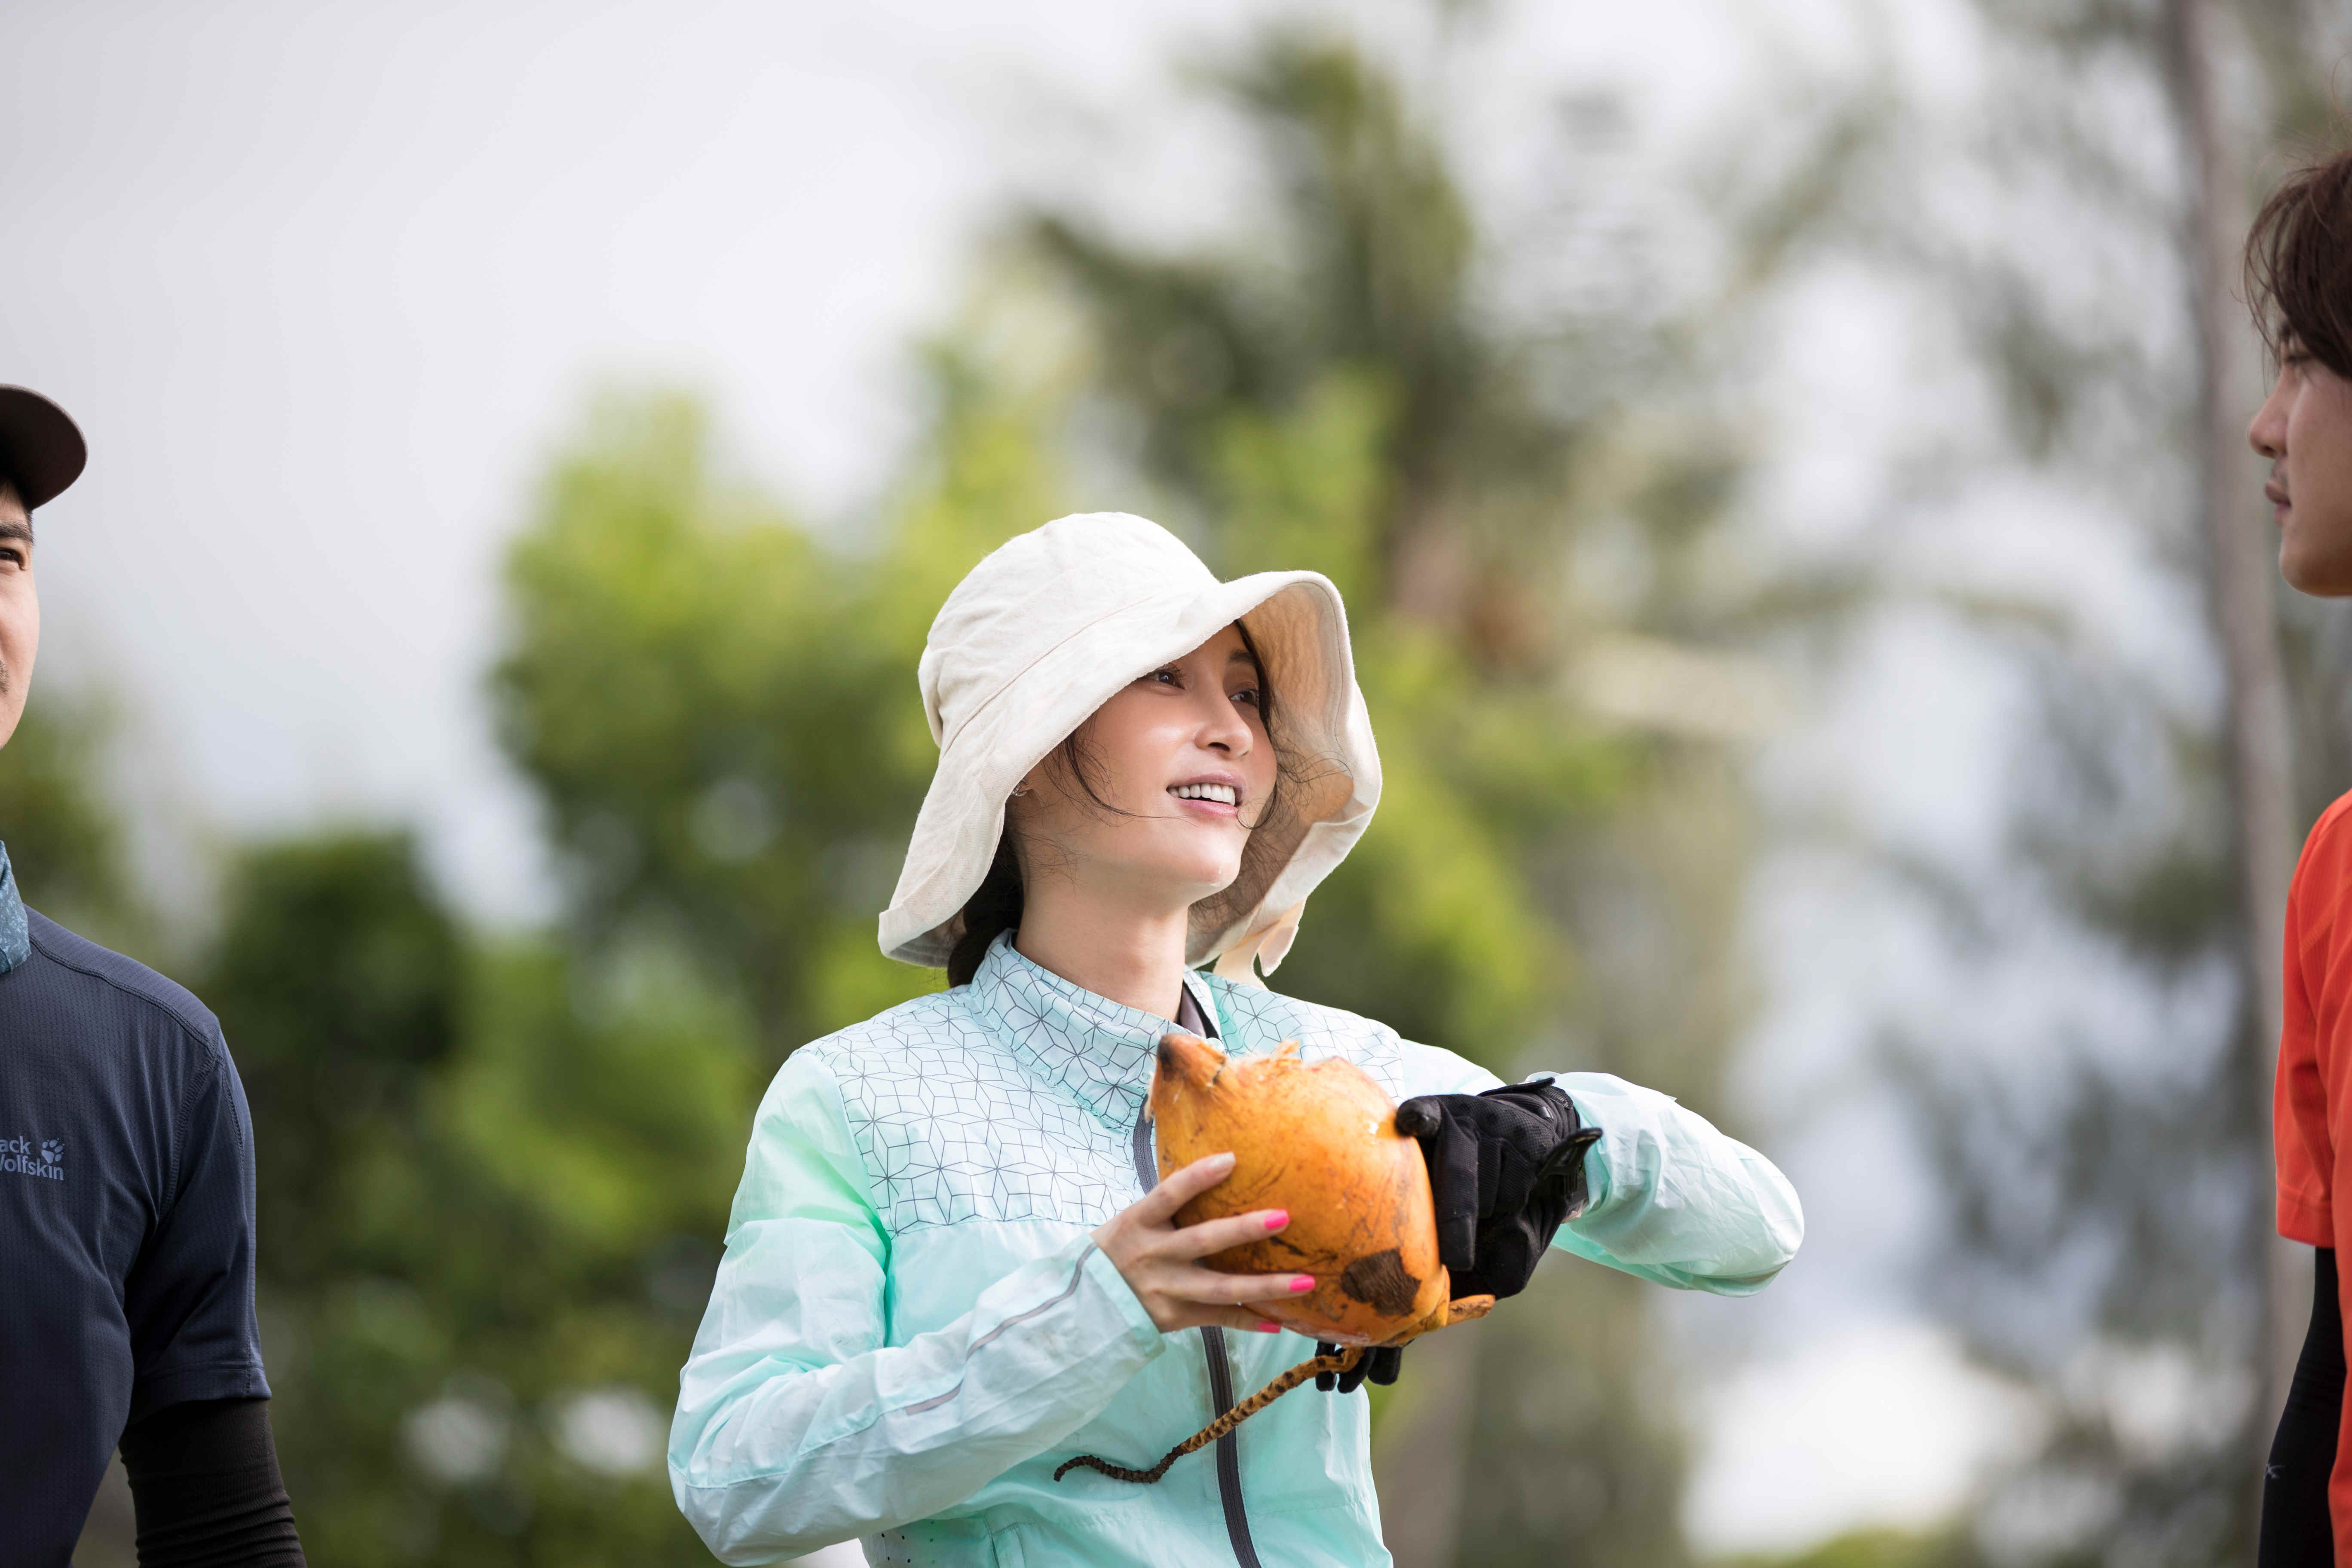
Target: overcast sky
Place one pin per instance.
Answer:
(323, 286)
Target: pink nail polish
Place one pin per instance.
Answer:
(1266, 1328)
(1301, 1283)
(1276, 1220)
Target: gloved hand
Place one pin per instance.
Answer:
(1377, 1364)
(1507, 1170)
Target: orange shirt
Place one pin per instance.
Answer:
(2312, 1104)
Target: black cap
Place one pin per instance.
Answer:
(41, 448)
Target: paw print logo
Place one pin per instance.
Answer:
(51, 1150)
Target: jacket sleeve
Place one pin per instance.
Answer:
(799, 1424)
(1674, 1200)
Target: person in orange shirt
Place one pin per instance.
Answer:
(2299, 277)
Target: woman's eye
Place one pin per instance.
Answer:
(1167, 676)
(1247, 694)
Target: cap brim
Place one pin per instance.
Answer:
(41, 448)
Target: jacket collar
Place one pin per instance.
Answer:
(1097, 1051)
(16, 939)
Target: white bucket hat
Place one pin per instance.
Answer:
(1055, 623)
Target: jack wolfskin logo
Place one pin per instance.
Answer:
(19, 1157)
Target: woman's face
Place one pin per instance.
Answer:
(1181, 761)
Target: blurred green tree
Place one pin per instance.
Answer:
(720, 717)
(65, 838)
(488, 1178)
(1879, 1548)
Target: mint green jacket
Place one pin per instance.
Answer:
(911, 1327)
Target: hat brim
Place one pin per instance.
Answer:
(1331, 778)
(41, 448)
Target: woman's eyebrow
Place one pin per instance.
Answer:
(1241, 656)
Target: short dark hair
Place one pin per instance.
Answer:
(2298, 264)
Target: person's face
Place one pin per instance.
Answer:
(20, 611)
(2306, 430)
(1182, 760)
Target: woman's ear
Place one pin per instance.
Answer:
(1038, 781)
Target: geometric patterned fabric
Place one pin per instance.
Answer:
(1015, 1097)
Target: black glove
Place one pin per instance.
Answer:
(1506, 1169)
(1377, 1364)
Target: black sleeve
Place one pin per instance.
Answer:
(2296, 1529)
(204, 1480)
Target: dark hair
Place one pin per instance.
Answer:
(995, 907)
(2298, 264)
(992, 911)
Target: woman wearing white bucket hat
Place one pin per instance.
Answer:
(949, 1267)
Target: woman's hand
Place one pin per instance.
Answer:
(1158, 1261)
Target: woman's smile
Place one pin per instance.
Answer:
(1212, 796)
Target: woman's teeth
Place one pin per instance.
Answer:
(1217, 792)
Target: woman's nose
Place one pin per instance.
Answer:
(1226, 730)
(2267, 433)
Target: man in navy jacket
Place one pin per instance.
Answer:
(126, 1195)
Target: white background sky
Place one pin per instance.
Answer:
(323, 285)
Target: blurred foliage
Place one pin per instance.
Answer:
(490, 1175)
(1877, 1549)
(65, 838)
(721, 722)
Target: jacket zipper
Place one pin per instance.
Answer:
(1213, 1346)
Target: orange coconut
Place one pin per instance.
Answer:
(1320, 1142)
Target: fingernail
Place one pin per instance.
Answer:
(1276, 1220)
(1265, 1328)
(1301, 1283)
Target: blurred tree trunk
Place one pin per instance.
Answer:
(2244, 618)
